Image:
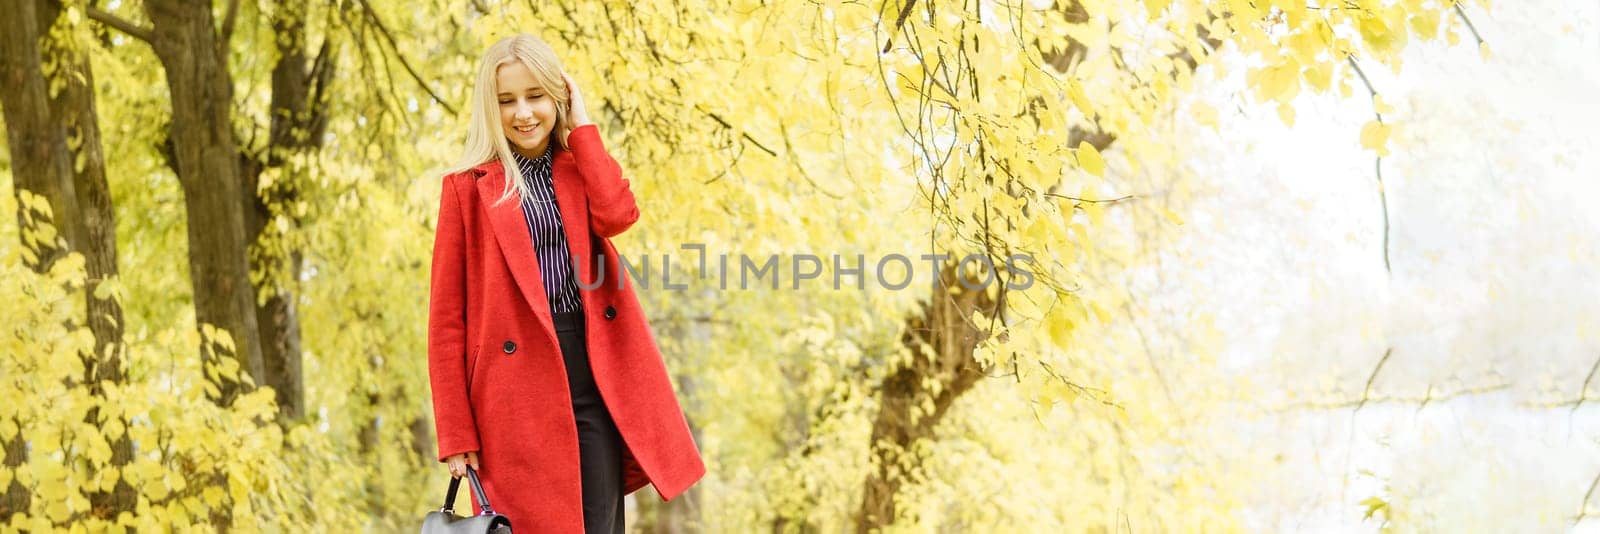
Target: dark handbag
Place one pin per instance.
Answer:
(445, 520)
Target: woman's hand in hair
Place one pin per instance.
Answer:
(577, 112)
(458, 463)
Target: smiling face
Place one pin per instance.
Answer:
(527, 111)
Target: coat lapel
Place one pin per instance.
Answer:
(516, 244)
(572, 201)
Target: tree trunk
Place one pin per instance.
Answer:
(941, 368)
(74, 110)
(369, 439)
(60, 153)
(40, 161)
(206, 160)
(38, 167)
(944, 331)
(298, 93)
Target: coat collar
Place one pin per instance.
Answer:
(510, 229)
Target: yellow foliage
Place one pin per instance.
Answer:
(1089, 159)
(755, 128)
(1375, 136)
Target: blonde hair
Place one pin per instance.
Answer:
(486, 137)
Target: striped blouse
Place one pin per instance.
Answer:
(549, 242)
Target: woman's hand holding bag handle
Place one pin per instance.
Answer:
(445, 520)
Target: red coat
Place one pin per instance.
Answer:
(498, 379)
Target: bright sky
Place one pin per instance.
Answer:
(1492, 190)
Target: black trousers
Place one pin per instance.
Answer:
(599, 444)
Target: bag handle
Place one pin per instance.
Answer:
(477, 489)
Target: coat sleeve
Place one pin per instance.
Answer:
(447, 354)
(612, 208)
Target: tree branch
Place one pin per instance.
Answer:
(321, 75)
(132, 30)
(900, 21)
(742, 133)
(373, 15)
(1428, 397)
(227, 21)
(1366, 392)
(1583, 506)
(1474, 29)
(1383, 196)
(1583, 391)
(1089, 200)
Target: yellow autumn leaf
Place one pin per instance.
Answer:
(1171, 216)
(154, 488)
(1374, 31)
(57, 510)
(1060, 329)
(1204, 114)
(1089, 159)
(52, 489)
(1425, 23)
(213, 496)
(1318, 76)
(108, 477)
(1294, 11)
(1080, 100)
(1305, 46)
(224, 339)
(1375, 136)
(1381, 106)
(1153, 8)
(1279, 82)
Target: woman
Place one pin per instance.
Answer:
(554, 392)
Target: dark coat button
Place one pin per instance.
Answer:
(611, 312)
(509, 347)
